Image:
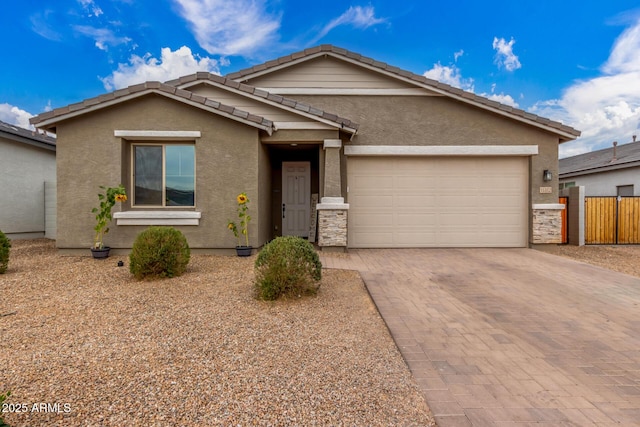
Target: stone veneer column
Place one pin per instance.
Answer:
(547, 223)
(332, 210)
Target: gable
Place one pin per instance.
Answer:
(416, 85)
(245, 103)
(327, 72)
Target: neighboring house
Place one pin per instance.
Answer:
(613, 171)
(398, 160)
(27, 162)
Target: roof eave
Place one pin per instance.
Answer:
(265, 125)
(598, 169)
(266, 100)
(51, 146)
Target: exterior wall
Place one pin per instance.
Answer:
(575, 217)
(605, 183)
(429, 120)
(50, 205)
(264, 198)
(227, 163)
(23, 172)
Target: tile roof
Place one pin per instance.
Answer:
(430, 83)
(17, 131)
(251, 90)
(627, 155)
(156, 87)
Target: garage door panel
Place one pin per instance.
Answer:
(438, 202)
(374, 219)
(414, 219)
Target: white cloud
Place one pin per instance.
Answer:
(501, 98)
(457, 55)
(504, 54)
(91, 8)
(103, 37)
(358, 16)
(239, 27)
(40, 25)
(171, 65)
(15, 116)
(605, 108)
(450, 75)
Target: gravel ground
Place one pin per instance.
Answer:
(624, 259)
(98, 348)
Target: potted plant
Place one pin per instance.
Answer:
(243, 208)
(107, 199)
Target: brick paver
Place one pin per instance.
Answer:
(510, 336)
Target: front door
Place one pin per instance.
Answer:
(296, 198)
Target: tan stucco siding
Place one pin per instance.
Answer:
(249, 105)
(409, 120)
(327, 72)
(264, 191)
(227, 163)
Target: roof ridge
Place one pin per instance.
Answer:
(261, 93)
(470, 96)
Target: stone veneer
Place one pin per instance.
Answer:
(547, 224)
(332, 227)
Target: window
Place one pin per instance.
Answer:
(164, 175)
(625, 190)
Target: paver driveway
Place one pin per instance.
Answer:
(506, 336)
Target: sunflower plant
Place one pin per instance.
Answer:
(244, 217)
(108, 199)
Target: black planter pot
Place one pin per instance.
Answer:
(244, 250)
(100, 253)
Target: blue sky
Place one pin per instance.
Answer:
(573, 61)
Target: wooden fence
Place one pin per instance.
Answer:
(612, 220)
(564, 217)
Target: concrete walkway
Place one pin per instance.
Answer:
(510, 336)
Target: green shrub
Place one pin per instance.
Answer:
(5, 245)
(159, 252)
(3, 397)
(287, 266)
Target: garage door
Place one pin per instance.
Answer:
(437, 202)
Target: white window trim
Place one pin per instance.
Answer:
(158, 135)
(441, 150)
(157, 218)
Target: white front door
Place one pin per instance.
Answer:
(296, 198)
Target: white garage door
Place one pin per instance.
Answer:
(437, 202)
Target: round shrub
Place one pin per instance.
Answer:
(5, 246)
(159, 252)
(287, 266)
